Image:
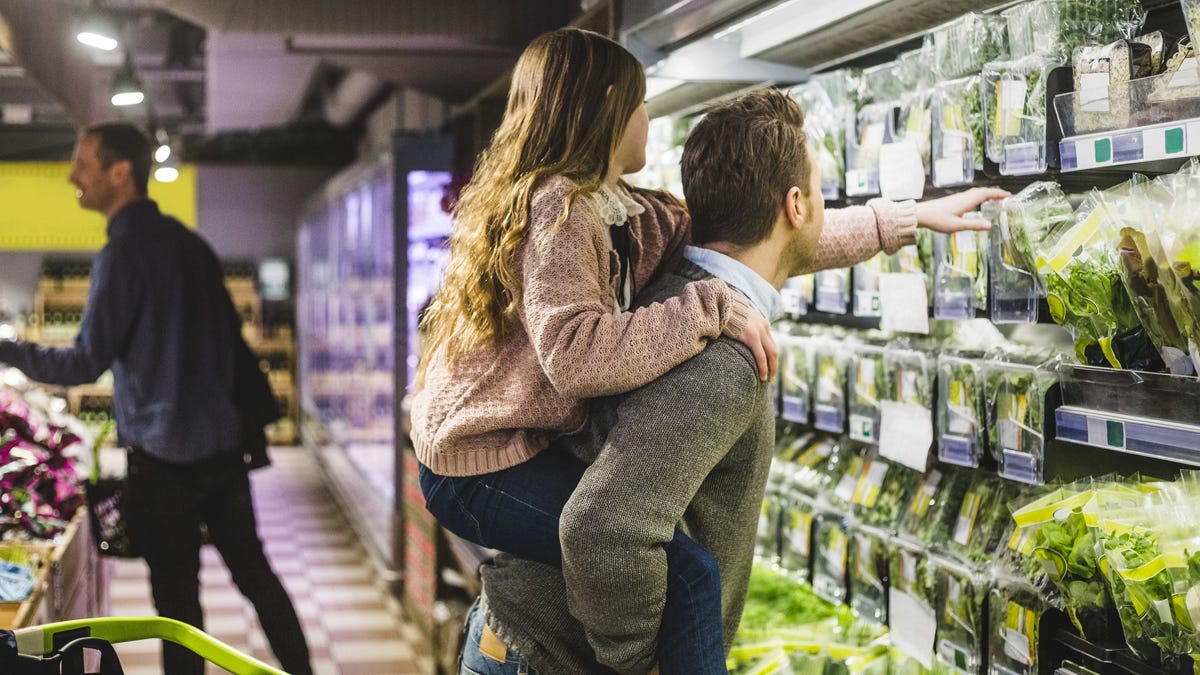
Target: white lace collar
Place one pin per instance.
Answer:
(616, 206)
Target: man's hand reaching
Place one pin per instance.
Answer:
(946, 214)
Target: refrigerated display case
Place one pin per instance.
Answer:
(370, 248)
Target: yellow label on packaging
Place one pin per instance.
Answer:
(966, 518)
(1071, 242)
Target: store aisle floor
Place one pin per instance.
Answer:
(353, 624)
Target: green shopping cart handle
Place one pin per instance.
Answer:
(39, 640)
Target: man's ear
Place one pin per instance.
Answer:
(121, 171)
(795, 207)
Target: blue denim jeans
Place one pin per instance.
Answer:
(516, 510)
(474, 662)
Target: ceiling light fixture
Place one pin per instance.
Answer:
(126, 88)
(97, 29)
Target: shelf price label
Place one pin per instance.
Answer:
(1107, 433)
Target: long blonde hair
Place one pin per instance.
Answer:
(572, 95)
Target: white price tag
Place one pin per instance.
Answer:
(913, 626)
(906, 433)
(950, 170)
(965, 242)
(962, 419)
(1010, 435)
(1093, 92)
(904, 302)
(901, 171)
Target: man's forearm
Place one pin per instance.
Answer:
(56, 366)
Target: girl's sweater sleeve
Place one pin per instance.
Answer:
(854, 234)
(585, 349)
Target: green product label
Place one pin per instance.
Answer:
(1174, 140)
(1103, 149)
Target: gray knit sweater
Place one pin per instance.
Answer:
(694, 446)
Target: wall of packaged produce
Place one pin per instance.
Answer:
(985, 442)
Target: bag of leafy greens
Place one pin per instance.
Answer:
(962, 624)
(982, 518)
(957, 141)
(830, 557)
(868, 385)
(1179, 234)
(866, 284)
(796, 377)
(825, 125)
(829, 397)
(934, 507)
(1079, 270)
(871, 128)
(912, 597)
(1146, 274)
(1014, 99)
(869, 556)
(1015, 404)
(832, 291)
(960, 419)
(1015, 611)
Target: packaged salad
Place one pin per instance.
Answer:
(871, 129)
(797, 374)
(1056, 27)
(957, 138)
(960, 273)
(933, 508)
(912, 599)
(1015, 404)
(962, 623)
(869, 557)
(830, 558)
(1015, 612)
(960, 421)
(1014, 99)
(963, 46)
(829, 401)
(833, 291)
(868, 385)
(866, 284)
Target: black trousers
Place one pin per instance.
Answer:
(167, 503)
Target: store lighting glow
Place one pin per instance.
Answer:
(128, 98)
(162, 153)
(166, 174)
(96, 40)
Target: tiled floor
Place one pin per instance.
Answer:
(352, 624)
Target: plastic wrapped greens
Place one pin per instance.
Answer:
(1191, 14)
(833, 291)
(934, 507)
(866, 284)
(830, 558)
(1179, 234)
(1014, 98)
(766, 543)
(798, 295)
(869, 556)
(962, 624)
(871, 128)
(916, 122)
(960, 273)
(962, 46)
(1079, 270)
(1015, 612)
(1015, 403)
(829, 401)
(806, 464)
(1145, 272)
(795, 536)
(825, 123)
(982, 519)
(1102, 75)
(797, 377)
(882, 84)
(961, 438)
(1024, 220)
(1171, 92)
(957, 134)
(912, 376)
(868, 385)
(882, 492)
(912, 598)
(1056, 27)
(1065, 546)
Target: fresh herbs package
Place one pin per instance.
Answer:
(868, 385)
(871, 128)
(961, 430)
(960, 273)
(1015, 611)
(869, 558)
(957, 138)
(797, 375)
(833, 291)
(963, 46)
(1015, 404)
(831, 557)
(962, 623)
(866, 284)
(1014, 98)
(829, 402)
(1056, 27)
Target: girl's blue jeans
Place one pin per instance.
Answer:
(516, 510)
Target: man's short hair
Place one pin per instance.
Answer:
(738, 164)
(121, 141)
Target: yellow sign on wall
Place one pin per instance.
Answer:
(39, 212)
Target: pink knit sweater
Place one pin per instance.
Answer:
(499, 406)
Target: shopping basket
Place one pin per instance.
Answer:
(60, 648)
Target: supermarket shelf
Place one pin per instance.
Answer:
(1138, 435)
(1169, 142)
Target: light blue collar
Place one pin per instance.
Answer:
(742, 279)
